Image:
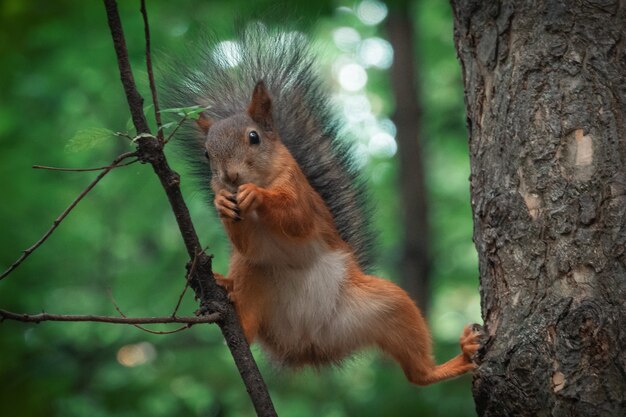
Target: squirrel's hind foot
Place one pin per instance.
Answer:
(471, 341)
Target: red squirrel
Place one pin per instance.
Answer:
(289, 200)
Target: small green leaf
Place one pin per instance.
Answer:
(167, 125)
(130, 127)
(191, 112)
(194, 113)
(85, 139)
(173, 110)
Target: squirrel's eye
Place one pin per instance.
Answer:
(253, 136)
(206, 154)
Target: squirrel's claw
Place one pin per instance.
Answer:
(471, 341)
(226, 207)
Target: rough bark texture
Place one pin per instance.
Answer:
(415, 261)
(546, 111)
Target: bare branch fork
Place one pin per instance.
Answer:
(212, 297)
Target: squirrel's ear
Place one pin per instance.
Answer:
(260, 108)
(204, 123)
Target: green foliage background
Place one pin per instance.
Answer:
(59, 75)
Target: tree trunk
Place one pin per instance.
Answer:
(545, 91)
(415, 260)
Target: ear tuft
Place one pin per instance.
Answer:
(204, 123)
(260, 108)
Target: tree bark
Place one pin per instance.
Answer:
(415, 261)
(545, 91)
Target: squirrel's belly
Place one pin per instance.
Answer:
(314, 318)
(305, 298)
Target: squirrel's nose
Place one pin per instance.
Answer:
(230, 176)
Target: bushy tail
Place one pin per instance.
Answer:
(221, 78)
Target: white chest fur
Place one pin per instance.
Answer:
(314, 311)
(306, 298)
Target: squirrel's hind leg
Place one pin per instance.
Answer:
(407, 339)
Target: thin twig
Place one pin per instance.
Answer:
(59, 219)
(124, 135)
(37, 318)
(180, 123)
(161, 332)
(119, 310)
(192, 269)
(83, 169)
(180, 298)
(153, 90)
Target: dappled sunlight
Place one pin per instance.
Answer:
(136, 354)
(371, 12)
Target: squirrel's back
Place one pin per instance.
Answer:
(222, 77)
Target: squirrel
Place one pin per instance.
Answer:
(291, 200)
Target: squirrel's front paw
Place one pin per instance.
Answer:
(226, 205)
(249, 197)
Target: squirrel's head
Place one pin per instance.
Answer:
(242, 148)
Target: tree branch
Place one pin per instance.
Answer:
(26, 253)
(37, 318)
(212, 297)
